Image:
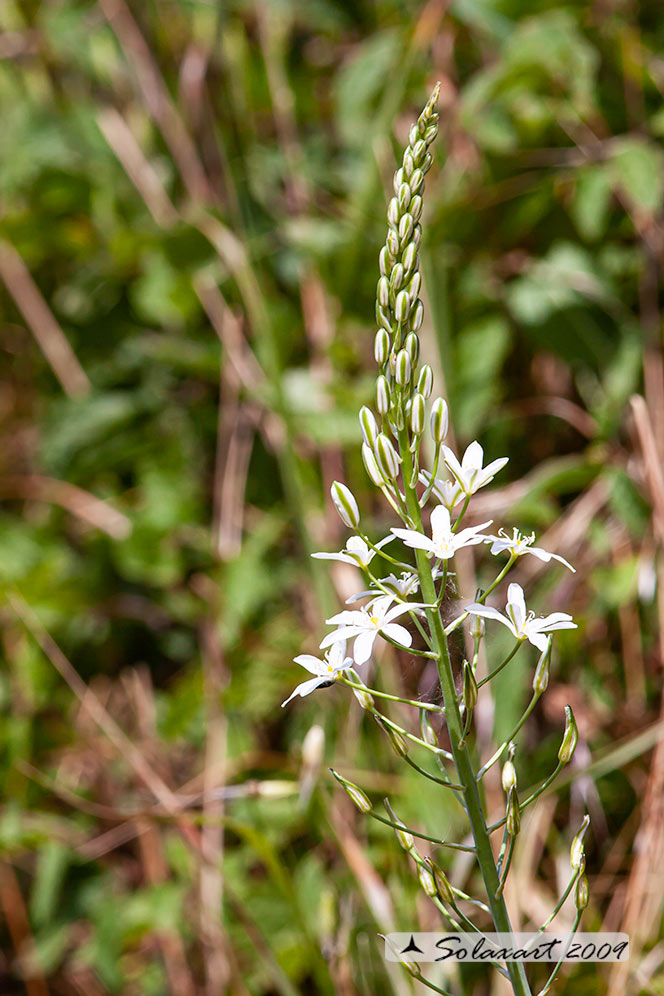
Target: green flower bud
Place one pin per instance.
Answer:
(439, 420)
(403, 368)
(402, 306)
(430, 133)
(581, 895)
(477, 627)
(406, 225)
(408, 164)
(371, 467)
(392, 243)
(399, 742)
(419, 151)
(403, 197)
(541, 676)
(382, 344)
(418, 413)
(425, 381)
(577, 856)
(417, 236)
(345, 504)
(414, 286)
(385, 262)
(383, 292)
(415, 207)
(508, 776)
(426, 730)
(359, 797)
(469, 692)
(412, 347)
(427, 163)
(398, 179)
(409, 258)
(382, 395)
(570, 737)
(413, 136)
(393, 212)
(427, 880)
(417, 316)
(364, 698)
(397, 278)
(387, 457)
(443, 887)
(416, 181)
(382, 317)
(513, 813)
(368, 425)
(401, 830)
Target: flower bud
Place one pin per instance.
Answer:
(541, 676)
(581, 895)
(418, 413)
(397, 278)
(371, 466)
(403, 197)
(577, 856)
(409, 258)
(427, 163)
(402, 306)
(359, 797)
(509, 776)
(412, 347)
(469, 692)
(401, 830)
(385, 262)
(417, 236)
(430, 133)
(368, 425)
(345, 504)
(382, 316)
(427, 731)
(477, 627)
(383, 292)
(398, 741)
(513, 823)
(387, 457)
(406, 225)
(382, 345)
(403, 368)
(439, 420)
(417, 316)
(570, 737)
(413, 136)
(427, 880)
(392, 243)
(416, 181)
(364, 698)
(382, 395)
(393, 212)
(419, 151)
(414, 286)
(408, 164)
(398, 179)
(425, 381)
(443, 887)
(415, 207)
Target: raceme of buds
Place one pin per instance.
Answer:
(418, 413)
(509, 776)
(570, 737)
(513, 823)
(425, 381)
(368, 425)
(541, 676)
(382, 395)
(426, 880)
(439, 420)
(469, 693)
(360, 798)
(577, 856)
(371, 466)
(345, 504)
(387, 457)
(443, 887)
(382, 347)
(581, 895)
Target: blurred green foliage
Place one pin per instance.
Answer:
(155, 155)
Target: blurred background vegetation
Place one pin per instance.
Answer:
(192, 199)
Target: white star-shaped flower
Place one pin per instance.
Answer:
(367, 623)
(356, 552)
(443, 543)
(334, 663)
(522, 624)
(470, 473)
(402, 587)
(449, 493)
(517, 545)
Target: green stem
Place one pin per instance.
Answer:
(391, 698)
(492, 760)
(531, 798)
(492, 674)
(423, 836)
(551, 978)
(433, 778)
(462, 757)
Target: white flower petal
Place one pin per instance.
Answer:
(398, 633)
(343, 633)
(363, 646)
(304, 689)
(313, 664)
(414, 539)
(516, 605)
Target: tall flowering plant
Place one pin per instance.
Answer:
(413, 593)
